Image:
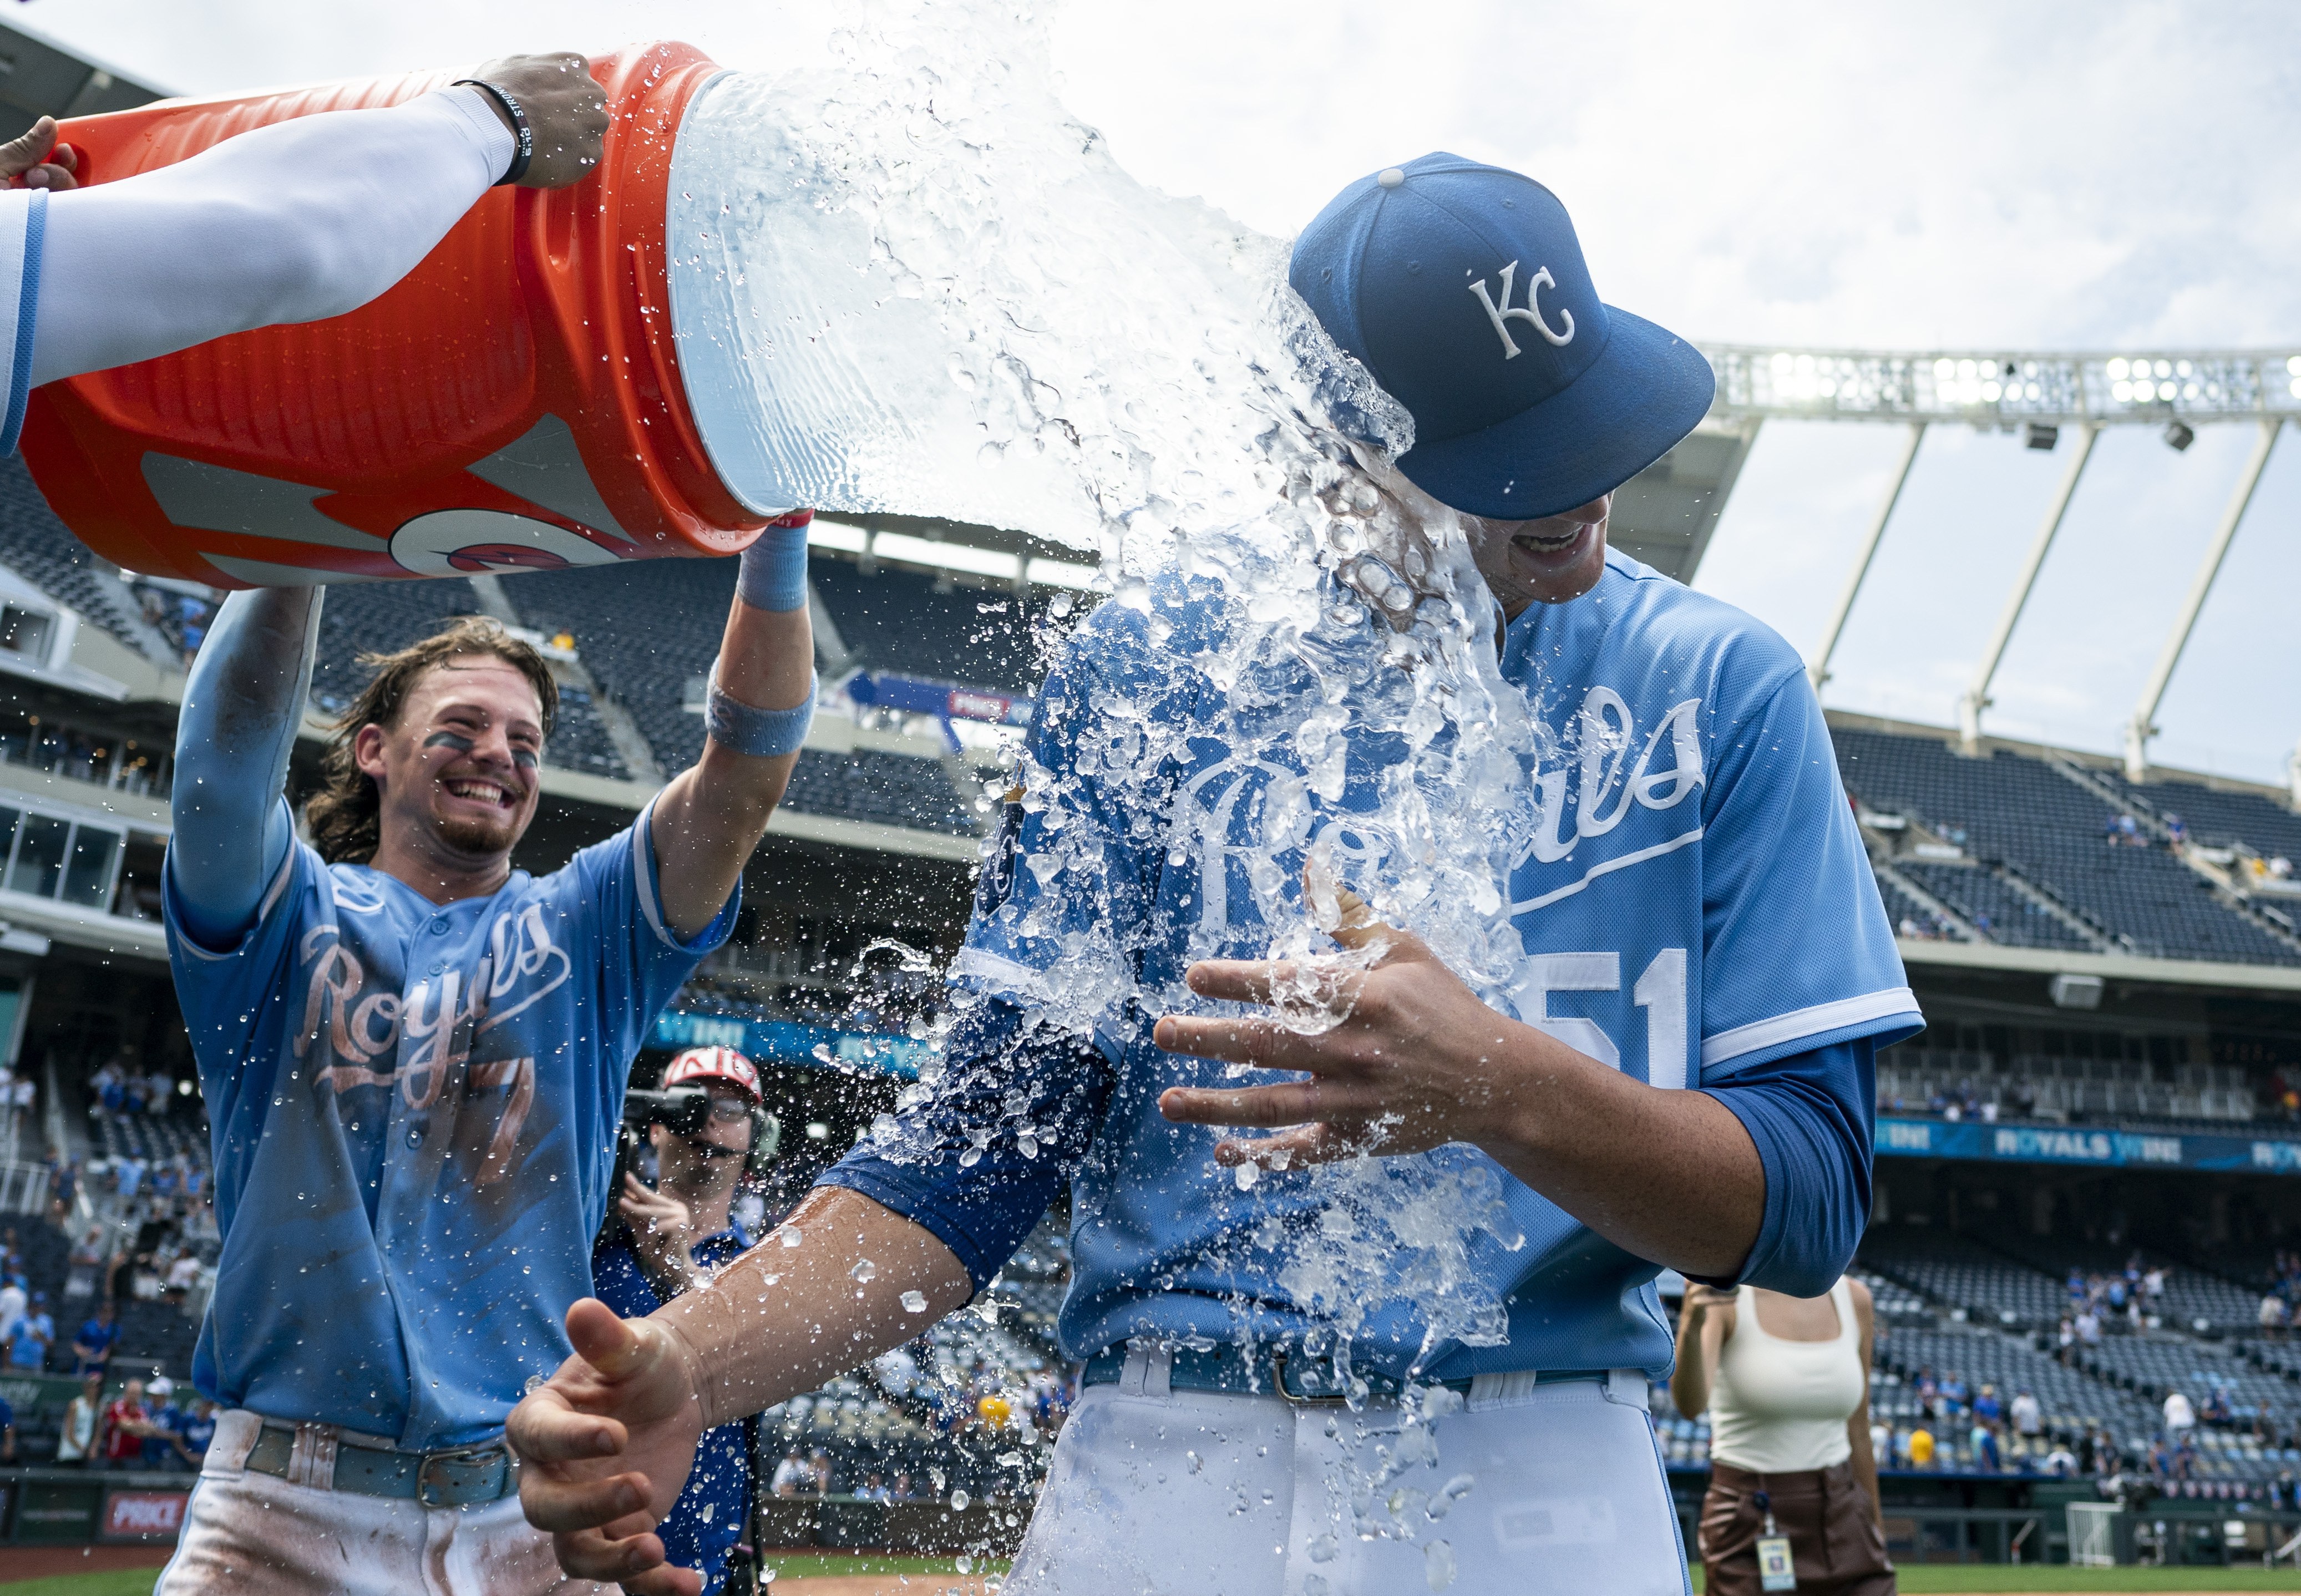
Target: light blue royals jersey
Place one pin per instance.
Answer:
(1694, 902)
(415, 1111)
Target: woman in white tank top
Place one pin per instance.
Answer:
(1786, 1381)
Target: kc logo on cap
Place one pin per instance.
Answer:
(1461, 288)
(1526, 313)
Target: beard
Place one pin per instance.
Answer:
(480, 837)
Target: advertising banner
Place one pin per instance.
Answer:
(2033, 1143)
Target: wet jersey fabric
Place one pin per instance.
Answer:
(707, 1518)
(1692, 907)
(414, 1112)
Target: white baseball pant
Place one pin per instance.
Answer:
(1527, 1488)
(248, 1533)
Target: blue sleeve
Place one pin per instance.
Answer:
(1810, 1115)
(241, 705)
(1796, 950)
(981, 1155)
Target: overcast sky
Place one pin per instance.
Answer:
(2071, 176)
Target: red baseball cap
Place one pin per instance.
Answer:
(713, 1064)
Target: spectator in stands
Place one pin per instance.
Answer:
(2275, 1314)
(1986, 1405)
(2180, 1414)
(1786, 1381)
(1921, 1448)
(92, 1346)
(2027, 1415)
(790, 1477)
(13, 1300)
(126, 1421)
(902, 1491)
(818, 1473)
(194, 1432)
(2088, 1326)
(1981, 1447)
(2061, 1462)
(76, 1441)
(2215, 1408)
(874, 1490)
(160, 1423)
(413, 1300)
(30, 1336)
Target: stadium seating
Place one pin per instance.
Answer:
(1992, 907)
(648, 628)
(1959, 1274)
(2020, 813)
(38, 547)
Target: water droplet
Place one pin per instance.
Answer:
(959, 1500)
(1246, 1175)
(914, 1302)
(1438, 1564)
(791, 1236)
(864, 1270)
(1324, 1549)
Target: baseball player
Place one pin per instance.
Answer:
(296, 221)
(415, 1057)
(1704, 971)
(682, 1232)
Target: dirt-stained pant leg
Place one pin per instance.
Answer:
(253, 1535)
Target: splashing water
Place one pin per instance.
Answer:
(915, 284)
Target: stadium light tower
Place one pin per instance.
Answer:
(1977, 697)
(2177, 391)
(2142, 726)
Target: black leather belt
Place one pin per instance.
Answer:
(1283, 1372)
(455, 1477)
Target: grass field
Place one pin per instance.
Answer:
(1977, 1578)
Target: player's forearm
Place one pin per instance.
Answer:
(784, 1319)
(1670, 1176)
(296, 222)
(760, 702)
(242, 704)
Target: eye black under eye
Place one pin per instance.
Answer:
(523, 758)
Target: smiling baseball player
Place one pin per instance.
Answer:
(415, 1057)
(1686, 1081)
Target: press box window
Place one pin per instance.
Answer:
(48, 857)
(25, 632)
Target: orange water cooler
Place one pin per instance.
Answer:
(513, 403)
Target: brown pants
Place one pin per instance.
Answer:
(1833, 1533)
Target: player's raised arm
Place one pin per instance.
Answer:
(762, 701)
(241, 706)
(299, 220)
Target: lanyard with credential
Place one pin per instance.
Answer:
(1776, 1569)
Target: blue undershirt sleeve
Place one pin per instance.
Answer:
(984, 1150)
(241, 705)
(1809, 1115)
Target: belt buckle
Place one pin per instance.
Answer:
(1278, 1381)
(425, 1483)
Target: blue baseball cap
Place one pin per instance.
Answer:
(1461, 287)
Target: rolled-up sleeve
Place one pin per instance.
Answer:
(982, 1148)
(1810, 1115)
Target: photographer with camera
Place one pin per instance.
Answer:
(706, 1127)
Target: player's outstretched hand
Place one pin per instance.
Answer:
(33, 160)
(1413, 1064)
(565, 109)
(606, 1445)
